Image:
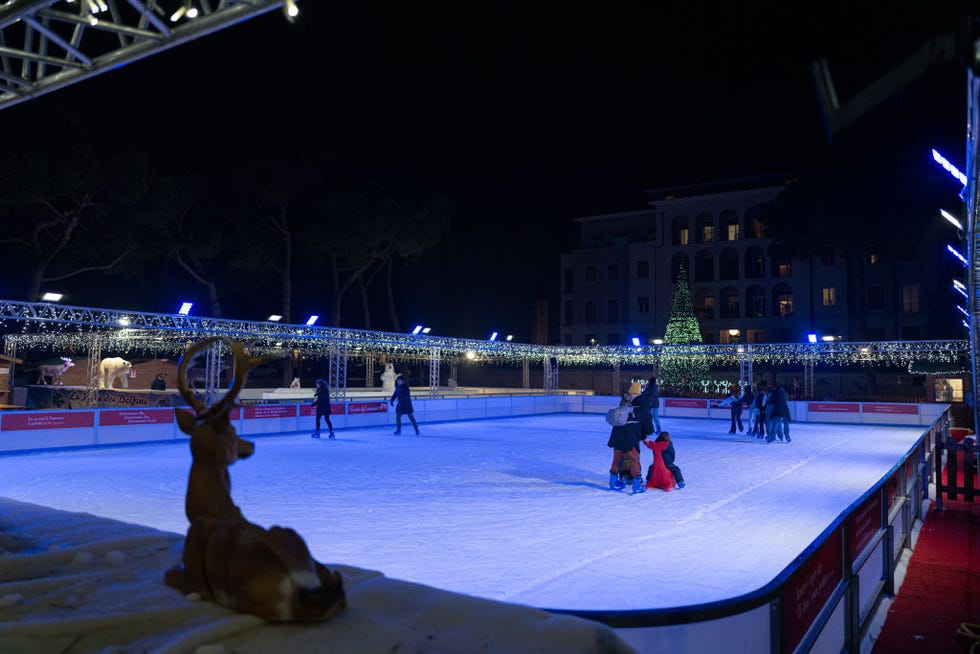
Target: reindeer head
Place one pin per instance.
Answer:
(215, 444)
(68, 362)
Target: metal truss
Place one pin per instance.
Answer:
(46, 45)
(163, 332)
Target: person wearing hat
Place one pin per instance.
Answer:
(321, 400)
(642, 407)
(625, 441)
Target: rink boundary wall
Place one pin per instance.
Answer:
(33, 431)
(829, 599)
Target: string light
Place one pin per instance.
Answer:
(46, 326)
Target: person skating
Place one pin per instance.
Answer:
(321, 400)
(658, 476)
(625, 441)
(403, 397)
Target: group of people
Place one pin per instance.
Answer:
(401, 399)
(643, 421)
(768, 406)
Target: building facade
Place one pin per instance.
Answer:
(618, 284)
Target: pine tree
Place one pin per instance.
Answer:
(683, 328)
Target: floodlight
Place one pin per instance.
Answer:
(418, 328)
(811, 338)
(185, 308)
(944, 162)
(312, 320)
(52, 297)
(828, 338)
(959, 288)
(658, 341)
(963, 310)
(274, 318)
(951, 218)
(493, 336)
(956, 253)
(426, 330)
(636, 342)
(123, 321)
(510, 337)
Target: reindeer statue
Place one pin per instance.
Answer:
(227, 559)
(54, 371)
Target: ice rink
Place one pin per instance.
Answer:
(513, 509)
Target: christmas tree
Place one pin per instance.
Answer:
(685, 372)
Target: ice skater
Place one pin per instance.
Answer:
(321, 400)
(625, 441)
(403, 396)
(658, 476)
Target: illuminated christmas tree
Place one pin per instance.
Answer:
(685, 372)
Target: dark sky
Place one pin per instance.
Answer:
(530, 114)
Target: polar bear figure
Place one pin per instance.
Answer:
(114, 368)
(388, 379)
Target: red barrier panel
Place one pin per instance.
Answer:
(117, 417)
(270, 411)
(47, 420)
(903, 409)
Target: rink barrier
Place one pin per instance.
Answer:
(32, 431)
(831, 598)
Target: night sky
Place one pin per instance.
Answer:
(528, 115)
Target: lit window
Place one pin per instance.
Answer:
(682, 236)
(733, 232)
(910, 298)
(785, 305)
(785, 269)
(707, 233)
(830, 297)
(872, 257)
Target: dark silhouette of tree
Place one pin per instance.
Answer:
(65, 208)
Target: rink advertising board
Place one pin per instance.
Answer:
(865, 523)
(900, 409)
(833, 407)
(263, 411)
(306, 410)
(809, 588)
(366, 407)
(124, 417)
(47, 420)
(685, 403)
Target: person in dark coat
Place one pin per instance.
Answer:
(668, 455)
(759, 424)
(403, 396)
(653, 392)
(642, 408)
(625, 441)
(159, 382)
(663, 473)
(321, 400)
(780, 415)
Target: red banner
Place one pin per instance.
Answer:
(865, 523)
(234, 414)
(310, 410)
(115, 417)
(684, 403)
(807, 591)
(901, 409)
(270, 411)
(47, 420)
(367, 407)
(832, 407)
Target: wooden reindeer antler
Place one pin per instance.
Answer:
(227, 559)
